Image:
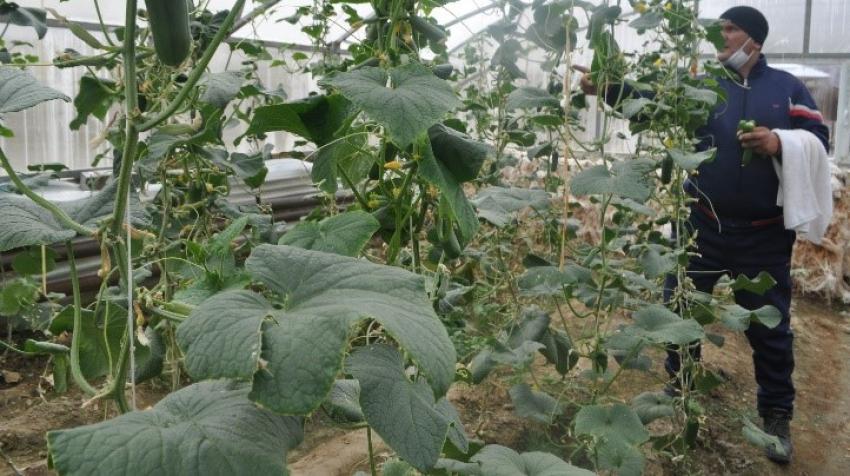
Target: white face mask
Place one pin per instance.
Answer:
(738, 58)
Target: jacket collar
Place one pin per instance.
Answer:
(758, 68)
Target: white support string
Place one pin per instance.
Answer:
(130, 318)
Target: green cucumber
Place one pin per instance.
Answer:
(666, 169)
(169, 25)
(746, 126)
(443, 71)
(431, 31)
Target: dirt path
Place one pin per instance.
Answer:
(821, 425)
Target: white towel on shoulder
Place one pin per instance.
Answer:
(805, 192)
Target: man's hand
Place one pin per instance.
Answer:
(762, 141)
(586, 84)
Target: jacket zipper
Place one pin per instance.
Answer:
(746, 87)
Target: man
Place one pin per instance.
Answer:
(739, 227)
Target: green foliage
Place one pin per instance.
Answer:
(21, 91)
(95, 97)
(625, 179)
(28, 224)
(415, 100)
(100, 337)
(323, 296)
(345, 234)
(650, 406)
(533, 404)
(207, 428)
(529, 98)
(497, 460)
(402, 412)
(498, 204)
(221, 88)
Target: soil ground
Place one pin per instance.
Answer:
(821, 427)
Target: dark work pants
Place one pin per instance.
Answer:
(736, 248)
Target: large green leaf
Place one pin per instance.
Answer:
(496, 460)
(656, 261)
(344, 234)
(533, 404)
(303, 343)
(315, 118)
(95, 98)
(402, 412)
(462, 156)
(344, 400)
(348, 156)
(691, 160)
(498, 204)
(457, 434)
(528, 97)
(532, 324)
(613, 423)
(659, 325)
(620, 458)
(651, 406)
(633, 106)
(550, 280)
(208, 428)
(626, 179)
(451, 190)
(650, 19)
(98, 339)
(91, 211)
(758, 285)
(222, 87)
(24, 16)
(738, 318)
(25, 224)
(222, 338)
(29, 224)
(251, 168)
(19, 91)
(414, 101)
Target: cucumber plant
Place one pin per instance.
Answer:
(274, 328)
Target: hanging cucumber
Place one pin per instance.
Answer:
(450, 244)
(169, 25)
(434, 33)
(666, 169)
(745, 126)
(443, 71)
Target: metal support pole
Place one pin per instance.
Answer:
(842, 122)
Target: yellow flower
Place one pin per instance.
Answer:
(641, 7)
(668, 6)
(393, 165)
(659, 62)
(669, 143)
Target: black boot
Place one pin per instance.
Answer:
(777, 422)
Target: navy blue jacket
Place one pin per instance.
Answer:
(774, 99)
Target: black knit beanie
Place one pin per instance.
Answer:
(748, 19)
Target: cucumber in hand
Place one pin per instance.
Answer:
(745, 126)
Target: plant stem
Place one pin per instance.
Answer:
(198, 70)
(372, 467)
(102, 24)
(77, 334)
(257, 11)
(57, 212)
